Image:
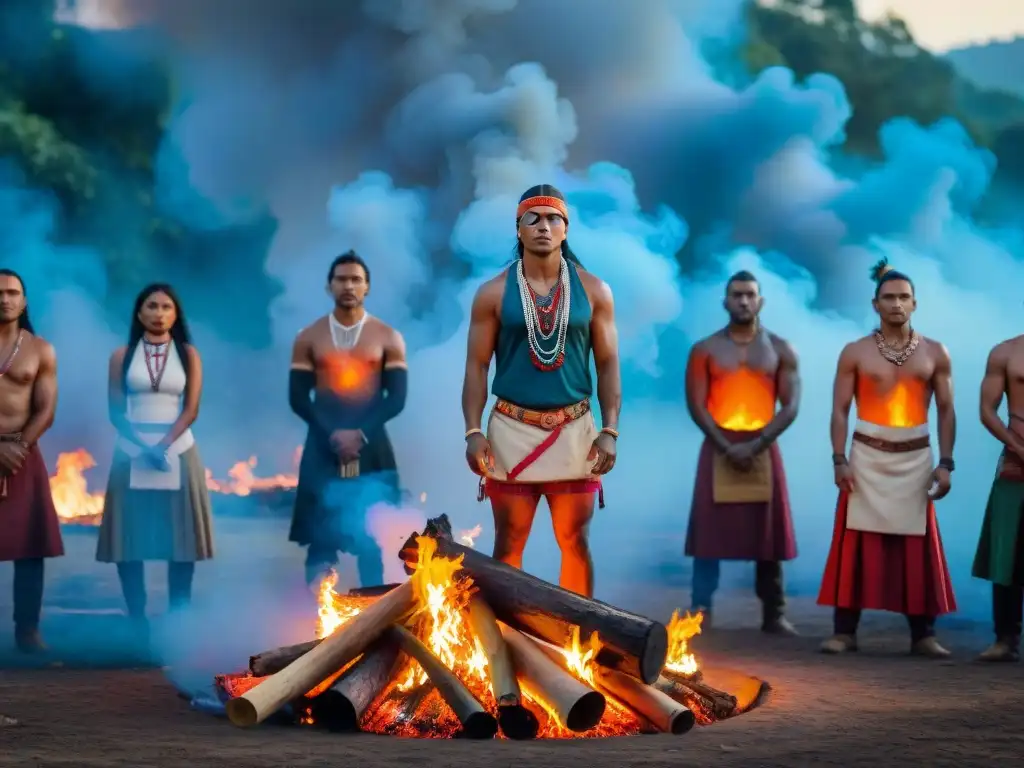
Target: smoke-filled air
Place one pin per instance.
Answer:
(408, 131)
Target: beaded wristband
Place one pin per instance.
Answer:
(474, 431)
(609, 431)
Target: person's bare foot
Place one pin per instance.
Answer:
(930, 648)
(29, 641)
(839, 644)
(1000, 650)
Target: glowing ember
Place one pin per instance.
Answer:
(70, 489)
(680, 630)
(741, 400)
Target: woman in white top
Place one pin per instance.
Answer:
(157, 506)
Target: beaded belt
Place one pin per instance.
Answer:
(548, 420)
(893, 446)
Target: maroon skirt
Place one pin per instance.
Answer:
(29, 527)
(887, 572)
(748, 531)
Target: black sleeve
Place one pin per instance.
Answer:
(395, 384)
(300, 385)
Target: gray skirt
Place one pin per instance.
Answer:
(156, 525)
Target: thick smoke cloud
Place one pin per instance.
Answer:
(408, 130)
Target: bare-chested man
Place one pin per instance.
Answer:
(740, 511)
(29, 528)
(886, 550)
(1000, 555)
(541, 319)
(355, 365)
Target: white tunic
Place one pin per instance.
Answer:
(151, 415)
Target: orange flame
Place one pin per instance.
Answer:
(741, 400)
(680, 630)
(70, 489)
(76, 504)
(348, 374)
(905, 405)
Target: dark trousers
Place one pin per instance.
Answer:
(1008, 612)
(845, 621)
(133, 585)
(369, 560)
(768, 585)
(28, 593)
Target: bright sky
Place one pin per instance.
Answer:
(943, 24)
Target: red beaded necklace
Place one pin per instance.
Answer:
(156, 362)
(547, 311)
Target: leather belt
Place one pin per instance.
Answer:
(547, 420)
(893, 446)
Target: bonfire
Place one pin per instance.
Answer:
(471, 647)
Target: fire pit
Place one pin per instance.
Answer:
(470, 647)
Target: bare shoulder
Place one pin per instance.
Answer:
(706, 346)
(855, 351)
(117, 356)
(1004, 350)
(490, 293)
(785, 350)
(936, 349)
(390, 335)
(193, 353)
(595, 287)
(310, 332)
(41, 347)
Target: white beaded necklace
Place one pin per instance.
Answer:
(533, 326)
(346, 336)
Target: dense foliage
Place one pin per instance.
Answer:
(93, 142)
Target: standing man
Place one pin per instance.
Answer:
(29, 528)
(1000, 555)
(354, 365)
(541, 319)
(886, 550)
(740, 511)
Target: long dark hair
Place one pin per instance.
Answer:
(23, 320)
(180, 336)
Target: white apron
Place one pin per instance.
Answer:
(567, 458)
(890, 490)
(151, 414)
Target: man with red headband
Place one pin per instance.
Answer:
(540, 319)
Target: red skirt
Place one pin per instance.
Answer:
(29, 527)
(887, 572)
(749, 531)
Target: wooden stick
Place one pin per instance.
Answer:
(276, 659)
(632, 644)
(374, 591)
(715, 704)
(477, 722)
(341, 707)
(303, 674)
(664, 713)
(515, 720)
(576, 706)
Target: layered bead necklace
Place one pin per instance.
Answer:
(546, 317)
(156, 361)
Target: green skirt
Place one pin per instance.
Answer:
(1000, 555)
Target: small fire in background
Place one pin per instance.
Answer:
(70, 489)
(77, 505)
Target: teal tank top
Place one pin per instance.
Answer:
(516, 378)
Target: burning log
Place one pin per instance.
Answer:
(276, 659)
(341, 707)
(374, 591)
(333, 653)
(712, 703)
(632, 644)
(516, 721)
(576, 706)
(477, 722)
(661, 710)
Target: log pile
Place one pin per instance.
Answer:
(470, 647)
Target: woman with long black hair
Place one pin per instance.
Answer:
(157, 506)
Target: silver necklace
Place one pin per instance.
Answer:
(346, 336)
(533, 326)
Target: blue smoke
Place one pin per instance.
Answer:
(410, 138)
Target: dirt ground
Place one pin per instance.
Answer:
(876, 707)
